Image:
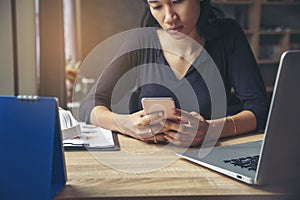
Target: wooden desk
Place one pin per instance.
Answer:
(90, 175)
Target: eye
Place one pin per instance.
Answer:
(157, 7)
(177, 1)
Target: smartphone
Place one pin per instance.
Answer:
(155, 104)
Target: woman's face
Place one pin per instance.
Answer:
(177, 16)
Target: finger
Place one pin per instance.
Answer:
(183, 138)
(178, 142)
(159, 138)
(150, 118)
(171, 134)
(184, 115)
(180, 113)
(180, 127)
(154, 116)
(170, 125)
(149, 131)
(158, 128)
(173, 141)
(144, 132)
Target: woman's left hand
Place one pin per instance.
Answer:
(189, 129)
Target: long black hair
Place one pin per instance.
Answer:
(207, 25)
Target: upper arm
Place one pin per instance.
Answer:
(245, 76)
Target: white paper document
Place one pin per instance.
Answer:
(78, 135)
(70, 127)
(91, 136)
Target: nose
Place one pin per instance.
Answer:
(170, 15)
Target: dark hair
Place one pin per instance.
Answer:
(207, 24)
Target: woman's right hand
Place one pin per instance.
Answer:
(141, 125)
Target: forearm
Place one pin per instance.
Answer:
(242, 122)
(103, 117)
(135, 124)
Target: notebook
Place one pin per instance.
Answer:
(32, 157)
(277, 155)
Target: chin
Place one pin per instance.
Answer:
(177, 35)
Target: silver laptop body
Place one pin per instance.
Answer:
(278, 153)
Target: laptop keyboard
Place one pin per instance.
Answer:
(249, 162)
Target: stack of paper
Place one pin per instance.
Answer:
(92, 137)
(79, 135)
(69, 125)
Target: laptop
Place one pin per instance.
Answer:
(276, 158)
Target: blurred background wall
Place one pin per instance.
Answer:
(32, 54)
(101, 19)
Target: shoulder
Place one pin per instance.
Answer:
(230, 27)
(231, 33)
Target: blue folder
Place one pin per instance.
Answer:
(32, 162)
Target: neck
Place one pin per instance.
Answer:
(182, 46)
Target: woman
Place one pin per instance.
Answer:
(226, 44)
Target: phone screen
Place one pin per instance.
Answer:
(165, 104)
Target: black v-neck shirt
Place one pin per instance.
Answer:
(141, 70)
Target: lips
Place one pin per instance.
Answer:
(175, 29)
